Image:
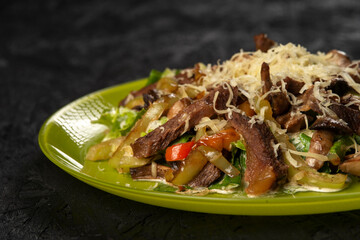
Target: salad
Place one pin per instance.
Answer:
(278, 119)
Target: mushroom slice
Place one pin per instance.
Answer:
(350, 116)
(351, 165)
(327, 123)
(320, 143)
(338, 57)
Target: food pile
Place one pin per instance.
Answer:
(278, 118)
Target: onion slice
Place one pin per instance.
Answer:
(216, 158)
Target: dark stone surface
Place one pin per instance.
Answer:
(53, 52)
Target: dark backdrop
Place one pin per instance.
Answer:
(53, 52)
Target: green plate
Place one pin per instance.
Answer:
(65, 137)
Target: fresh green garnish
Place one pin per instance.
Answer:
(302, 144)
(119, 120)
(155, 75)
(340, 146)
(239, 144)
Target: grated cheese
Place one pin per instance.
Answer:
(290, 60)
(214, 124)
(309, 154)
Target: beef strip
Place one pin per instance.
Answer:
(293, 122)
(278, 100)
(145, 172)
(178, 107)
(160, 137)
(279, 103)
(265, 78)
(207, 176)
(351, 98)
(263, 43)
(264, 170)
(309, 101)
(293, 86)
(137, 93)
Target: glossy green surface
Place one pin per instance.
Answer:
(65, 137)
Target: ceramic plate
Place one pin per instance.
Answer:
(66, 135)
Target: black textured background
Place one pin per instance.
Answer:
(53, 52)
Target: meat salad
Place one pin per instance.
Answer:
(276, 119)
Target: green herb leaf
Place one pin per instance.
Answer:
(119, 120)
(340, 146)
(154, 76)
(239, 144)
(302, 144)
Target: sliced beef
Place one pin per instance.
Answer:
(279, 103)
(327, 123)
(137, 93)
(207, 176)
(265, 78)
(264, 170)
(278, 100)
(293, 86)
(160, 138)
(309, 101)
(350, 116)
(349, 98)
(293, 122)
(145, 172)
(263, 43)
(178, 107)
(320, 143)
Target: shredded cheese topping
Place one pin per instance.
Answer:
(214, 124)
(290, 60)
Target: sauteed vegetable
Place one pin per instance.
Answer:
(278, 118)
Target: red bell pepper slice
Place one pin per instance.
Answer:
(220, 140)
(178, 151)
